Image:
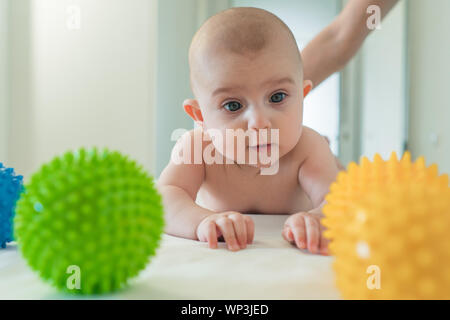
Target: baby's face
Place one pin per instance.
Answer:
(252, 92)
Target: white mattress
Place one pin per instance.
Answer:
(270, 268)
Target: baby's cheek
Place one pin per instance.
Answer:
(226, 147)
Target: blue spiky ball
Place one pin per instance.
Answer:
(10, 189)
(89, 220)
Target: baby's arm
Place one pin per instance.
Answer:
(179, 184)
(315, 176)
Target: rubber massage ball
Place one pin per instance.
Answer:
(10, 189)
(89, 221)
(389, 226)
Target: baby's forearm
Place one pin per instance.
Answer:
(318, 210)
(182, 214)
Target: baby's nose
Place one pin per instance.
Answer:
(258, 120)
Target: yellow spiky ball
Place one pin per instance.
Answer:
(389, 226)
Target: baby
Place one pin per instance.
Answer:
(246, 75)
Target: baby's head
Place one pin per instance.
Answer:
(246, 73)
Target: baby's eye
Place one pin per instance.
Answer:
(233, 106)
(278, 97)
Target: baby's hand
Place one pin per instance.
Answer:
(237, 230)
(305, 231)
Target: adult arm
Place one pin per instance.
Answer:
(333, 48)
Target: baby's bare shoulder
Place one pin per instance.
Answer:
(309, 140)
(312, 137)
(185, 168)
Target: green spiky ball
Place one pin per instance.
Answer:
(89, 221)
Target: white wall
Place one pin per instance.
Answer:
(20, 95)
(383, 87)
(82, 87)
(429, 63)
(177, 23)
(4, 106)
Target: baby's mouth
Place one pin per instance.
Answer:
(261, 147)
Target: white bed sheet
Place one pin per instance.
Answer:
(270, 268)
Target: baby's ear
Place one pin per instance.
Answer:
(307, 86)
(192, 108)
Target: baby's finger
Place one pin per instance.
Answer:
(239, 229)
(212, 235)
(287, 234)
(313, 234)
(324, 242)
(226, 227)
(250, 228)
(298, 229)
